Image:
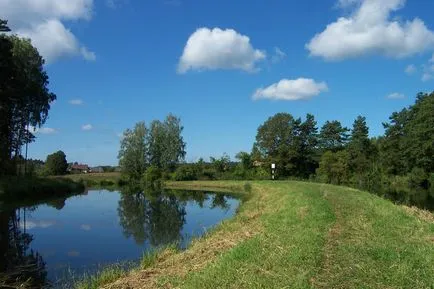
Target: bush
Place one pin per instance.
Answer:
(418, 178)
(151, 175)
(209, 174)
(185, 173)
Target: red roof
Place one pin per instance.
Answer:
(80, 167)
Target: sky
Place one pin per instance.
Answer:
(224, 67)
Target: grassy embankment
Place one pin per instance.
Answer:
(28, 189)
(96, 179)
(297, 235)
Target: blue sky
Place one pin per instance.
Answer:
(223, 66)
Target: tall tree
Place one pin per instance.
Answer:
(360, 151)
(392, 150)
(307, 147)
(24, 95)
(333, 136)
(277, 139)
(419, 140)
(245, 160)
(56, 164)
(133, 154)
(166, 144)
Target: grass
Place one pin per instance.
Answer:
(104, 277)
(93, 180)
(299, 235)
(29, 189)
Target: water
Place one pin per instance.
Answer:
(69, 237)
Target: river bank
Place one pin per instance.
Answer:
(299, 235)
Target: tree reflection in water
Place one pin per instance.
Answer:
(155, 217)
(19, 266)
(158, 217)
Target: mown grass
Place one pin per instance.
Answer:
(300, 235)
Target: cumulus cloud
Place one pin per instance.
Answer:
(410, 69)
(211, 49)
(395, 95)
(287, 89)
(87, 127)
(42, 22)
(369, 30)
(76, 101)
(278, 55)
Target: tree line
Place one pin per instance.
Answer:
(398, 164)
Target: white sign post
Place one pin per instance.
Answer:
(273, 168)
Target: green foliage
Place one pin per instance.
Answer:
(185, 173)
(56, 164)
(333, 136)
(161, 146)
(101, 278)
(18, 188)
(24, 96)
(133, 152)
(222, 164)
(334, 167)
(152, 175)
(290, 143)
(166, 144)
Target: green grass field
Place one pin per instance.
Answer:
(300, 235)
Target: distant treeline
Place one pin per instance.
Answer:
(397, 165)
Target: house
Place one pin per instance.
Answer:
(79, 169)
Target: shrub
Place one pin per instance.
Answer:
(185, 173)
(151, 175)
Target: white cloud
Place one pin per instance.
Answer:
(432, 58)
(47, 130)
(278, 55)
(41, 21)
(219, 49)
(410, 69)
(42, 130)
(76, 101)
(87, 127)
(395, 95)
(287, 89)
(88, 55)
(369, 30)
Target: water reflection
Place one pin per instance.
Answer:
(81, 233)
(18, 263)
